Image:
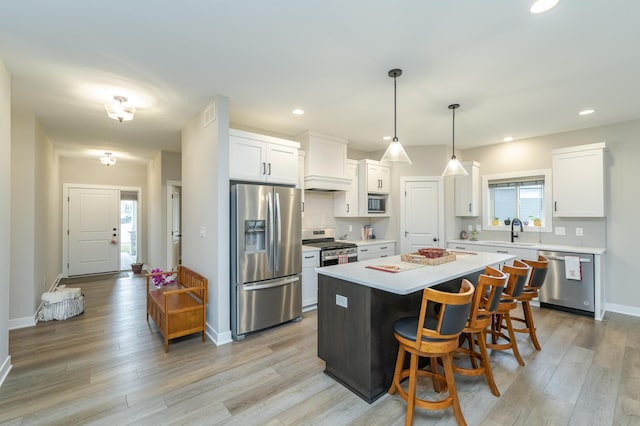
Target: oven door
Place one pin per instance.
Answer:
(334, 260)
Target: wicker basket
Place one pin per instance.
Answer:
(417, 258)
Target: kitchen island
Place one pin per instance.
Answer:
(357, 307)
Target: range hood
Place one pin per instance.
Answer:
(326, 183)
(324, 161)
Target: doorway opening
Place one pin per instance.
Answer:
(128, 229)
(174, 225)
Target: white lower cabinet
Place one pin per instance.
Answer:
(373, 251)
(310, 261)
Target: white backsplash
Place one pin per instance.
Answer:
(318, 210)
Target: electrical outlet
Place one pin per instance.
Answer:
(350, 228)
(342, 301)
(579, 232)
(203, 231)
(478, 227)
(560, 230)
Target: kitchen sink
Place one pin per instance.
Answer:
(507, 243)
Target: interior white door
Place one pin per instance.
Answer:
(94, 231)
(422, 215)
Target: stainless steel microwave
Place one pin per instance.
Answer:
(376, 204)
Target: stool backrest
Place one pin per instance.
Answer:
(539, 271)
(486, 297)
(518, 274)
(450, 315)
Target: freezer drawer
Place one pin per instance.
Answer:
(266, 303)
(573, 295)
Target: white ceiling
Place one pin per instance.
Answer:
(513, 73)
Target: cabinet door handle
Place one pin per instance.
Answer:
(555, 206)
(469, 207)
(309, 257)
(264, 168)
(364, 250)
(269, 169)
(461, 248)
(383, 248)
(502, 251)
(384, 255)
(347, 207)
(303, 207)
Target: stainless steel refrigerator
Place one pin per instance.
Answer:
(266, 257)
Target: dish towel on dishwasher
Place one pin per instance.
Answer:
(572, 268)
(343, 258)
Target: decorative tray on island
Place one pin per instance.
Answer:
(429, 256)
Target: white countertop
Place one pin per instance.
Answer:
(413, 280)
(368, 242)
(306, 249)
(533, 246)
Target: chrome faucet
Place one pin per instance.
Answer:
(515, 221)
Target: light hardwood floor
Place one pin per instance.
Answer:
(108, 366)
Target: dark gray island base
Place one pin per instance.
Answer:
(357, 342)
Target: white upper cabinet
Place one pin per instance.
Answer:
(578, 181)
(345, 203)
(467, 191)
(260, 158)
(377, 176)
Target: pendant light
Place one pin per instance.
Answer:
(454, 168)
(395, 153)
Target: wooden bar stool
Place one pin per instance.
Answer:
(536, 280)
(518, 274)
(434, 335)
(485, 303)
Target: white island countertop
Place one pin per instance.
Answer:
(533, 246)
(410, 281)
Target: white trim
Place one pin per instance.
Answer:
(4, 370)
(218, 338)
(442, 241)
(548, 199)
(171, 184)
(623, 309)
(25, 322)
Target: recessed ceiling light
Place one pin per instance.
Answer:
(297, 111)
(587, 111)
(541, 6)
(386, 138)
(507, 139)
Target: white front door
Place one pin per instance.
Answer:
(94, 231)
(176, 232)
(422, 213)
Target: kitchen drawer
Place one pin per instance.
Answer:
(373, 251)
(311, 258)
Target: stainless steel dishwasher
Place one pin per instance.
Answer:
(569, 295)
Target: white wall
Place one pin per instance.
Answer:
(23, 289)
(617, 231)
(205, 205)
(5, 217)
(153, 212)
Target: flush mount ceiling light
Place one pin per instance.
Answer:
(587, 111)
(541, 6)
(119, 111)
(297, 111)
(454, 168)
(107, 159)
(395, 153)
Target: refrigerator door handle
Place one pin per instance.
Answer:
(270, 285)
(278, 242)
(270, 230)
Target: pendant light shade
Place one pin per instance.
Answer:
(395, 153)
(454, 168)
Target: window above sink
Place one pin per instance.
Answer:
(524, 195)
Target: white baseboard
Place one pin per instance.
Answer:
(4, 370)
(25, 322)
(218, 338)
(622, 309)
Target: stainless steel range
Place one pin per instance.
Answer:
(332, 252)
